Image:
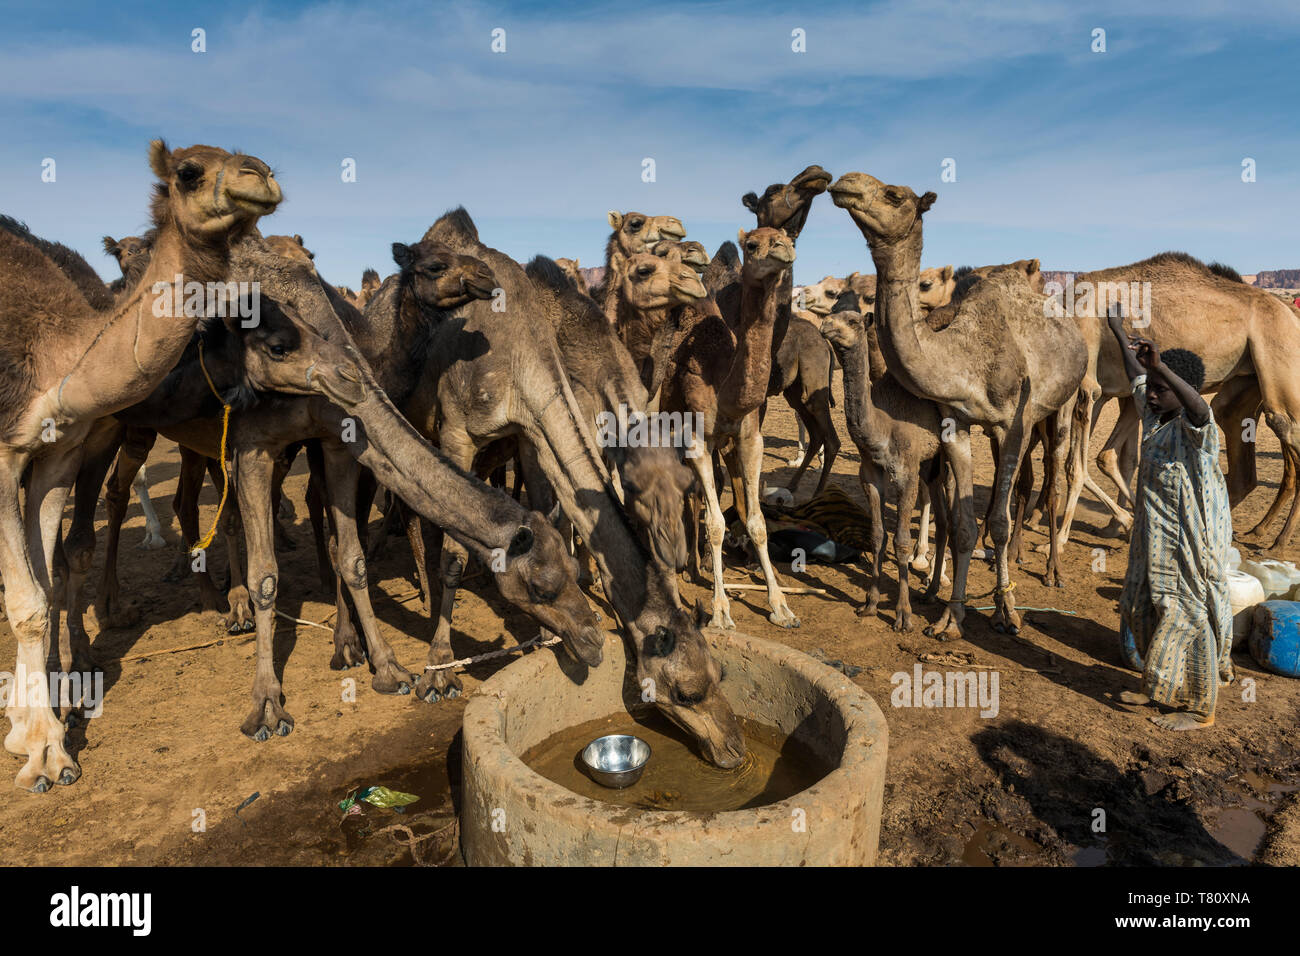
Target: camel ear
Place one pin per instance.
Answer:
(946, 273)
(160, 159)
(751, 202)
(926, 201)
(298, 239)
(615, 218)
(110, 245)
(576, 264)
(1034, 266)
(740, 234)
(402, 256)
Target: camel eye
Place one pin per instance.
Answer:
(636, 224)
(684, 699)
(645, 272)
(189, 174)
(752, 246)
(278, 350)
(869, 299)
(925, 286)
(435, 268)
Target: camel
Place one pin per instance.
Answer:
(721, 372)
(1246, 338)
(898, 437)
(999, 363)
(292, 247)
(648, 306)
(66, 366)
(691, 253)
(633, 232)
(573, 269)
(494, 374)
(801, 363)
(370, 283)
(68, 261)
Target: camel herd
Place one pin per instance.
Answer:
(432, 381)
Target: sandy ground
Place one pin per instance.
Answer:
(165, 769)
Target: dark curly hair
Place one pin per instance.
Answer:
(1187, 365)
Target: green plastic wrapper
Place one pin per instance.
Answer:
(381, 797)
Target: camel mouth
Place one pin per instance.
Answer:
(258, 207)
(479, 288)
(815, 180)
(672, 233)
(343, 387)
(586, 647)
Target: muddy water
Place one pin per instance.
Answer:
(676, 777)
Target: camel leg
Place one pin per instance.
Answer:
(1285, 491)
(241, 618)
(935, 491)
(870, 478)
(342, 471)
(820, 404)
(254, 470)
(905, 495)
(1289, 434)
(962, 526)
(316, 513)
(36, 730)
(100, 451)
(433, 686)
(1238, 400)
(153, 538)
(748, 456)
(920, 560)
(131, 456)
(800, 453)
(1120, 446)
(715, 526)
(1060, 427)
(815, 440)
(1014, 444)
(1024, 491)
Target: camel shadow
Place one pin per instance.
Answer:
(1093, 804)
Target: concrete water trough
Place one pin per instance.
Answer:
(511, 815)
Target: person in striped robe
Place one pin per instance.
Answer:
(1175, 597)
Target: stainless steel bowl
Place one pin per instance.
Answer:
(617, 760)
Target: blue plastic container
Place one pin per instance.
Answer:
(1275, 637)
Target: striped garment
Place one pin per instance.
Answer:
(1175, 598)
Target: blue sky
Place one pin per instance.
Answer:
(1082, 159)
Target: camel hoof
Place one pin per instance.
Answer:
(241, 627)
(42, 785)
(865, 610)
(263, 735)
(902, 624)
(283, 728)
(69, 776)
(152, 541)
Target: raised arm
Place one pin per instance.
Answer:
(1148, 356)
(1132, 368)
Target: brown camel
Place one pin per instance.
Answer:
(648, 306)
(370, 283)
(66, 366)
(721, 373)
(633, 232)
(999, 362)
(898, 438)
(68, 261)
(493, 374)
(690, 253)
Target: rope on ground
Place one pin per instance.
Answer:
(466, 661)
(412, 842)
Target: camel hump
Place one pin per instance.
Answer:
(1226, 272)
(723, 267)
(454, 227)
(546, 272)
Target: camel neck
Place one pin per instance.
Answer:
(908, 344)
(123, 360)
(752, 366)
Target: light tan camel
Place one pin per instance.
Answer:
(633, 232)
(573, 269)
(66, 367)
(721, 373)
(898, 437)
(999, 363)
(1247, 339)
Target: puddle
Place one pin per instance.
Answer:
(988, 845)
(676, 778)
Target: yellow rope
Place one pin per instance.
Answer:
(225, 477)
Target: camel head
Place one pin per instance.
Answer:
(132, 254)
(292, 247)
(819, 298)
(284, 353)
(768, 253)
(936, 287)
(440, 277)
(685, 684)
(208, 192)
(690, 252)
(785, 205)
(655, 483)
(882, 212)
(542, 578)
(635, 231)
(573, 269)
(654, 282)
(844, 330)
